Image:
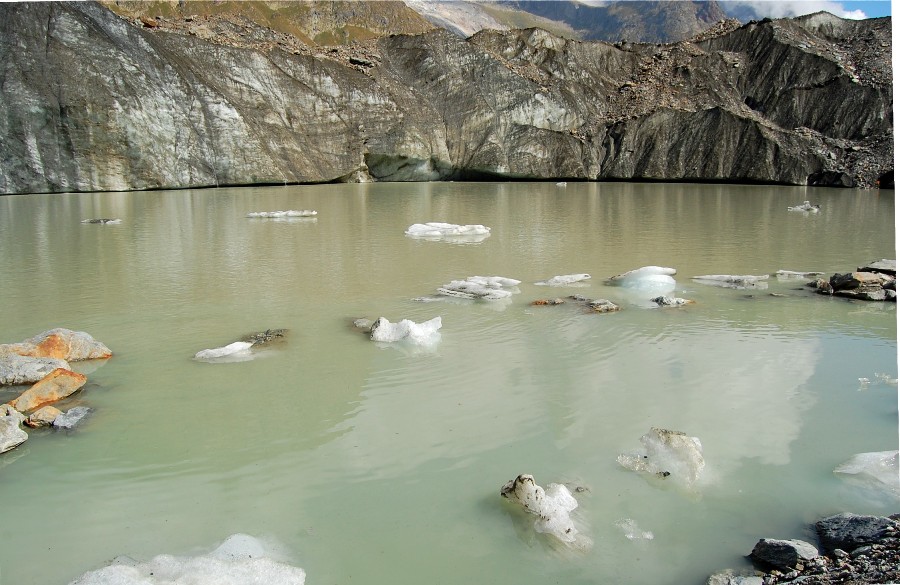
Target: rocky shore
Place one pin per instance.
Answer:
(857, 550)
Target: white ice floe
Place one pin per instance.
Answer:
(425, 333)
(561, 184)
(646, 277)
(231, 352)
(878, 470)
(794, 274)
(449, 232)
(282, 214)
(564, 280)
(103, 221)
(552, 506)
(805, 206)
(490, 288)
(670, 455)
(240, 560)
(733, 280)
(631, 530)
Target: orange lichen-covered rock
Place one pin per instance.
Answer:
(55, 386)
(60, 343)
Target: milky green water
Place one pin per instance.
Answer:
(382, 464)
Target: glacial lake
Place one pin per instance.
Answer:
(378, 463)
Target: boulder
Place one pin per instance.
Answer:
(8, 410)
(43, 417)
(850, 531)
(60, 343)
(883, 266)
(11, 435)
(17, 369)
(867, 286)
(55, 386)
(783, 554)
(729, 577)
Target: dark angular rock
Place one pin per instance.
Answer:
(851, 531)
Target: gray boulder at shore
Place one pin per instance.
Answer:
(783, 554)
(11, 434)
(16, 369)
(119, 105)
(850, 531)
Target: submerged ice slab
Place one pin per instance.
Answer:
(232, 350)
(632, 531)
(646, 277)
(435, 230)
(103, 221)
(551, 506)
(240, 560)
(287, 213)
(488, 288)
(564, 279)
(789, 274)
(424, 333)
(879, 470)
(667, 454)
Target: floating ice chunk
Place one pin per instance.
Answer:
(479, 287)
(232, 350)
(564, 279)
(448, 232)
(632, 531)
(886, 379)
(879, 469)
(733, 281)
(287, 213)
(240, 560)
(805, 206)
(424, 333)
(646, 277)
(551, 506)
(667, 454)
(793, 274)
(561, 184)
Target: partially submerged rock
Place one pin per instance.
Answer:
(102, 220)
(867, 286)
(783, 554)
(564, 279)
(425, 333)
(17, 369)
(667, 454)
(789, 274)
(551, 506)
(548, 302)
(55, 386)
(596, 305)
(664, 301)
(733, 280)
(264, 337)
(42, 417)
(883, 266)
(11, 435)
(59, 343)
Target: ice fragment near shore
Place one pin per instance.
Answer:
(878, 469)
(489, 288)
(424, 333)
(795, 274)
(240, 560)
(646, 277)
(667, 454)
(238, 349)
(564, 279)
(805, 206)
(551, 506)
(448, 232)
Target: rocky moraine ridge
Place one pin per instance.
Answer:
(94, 101)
